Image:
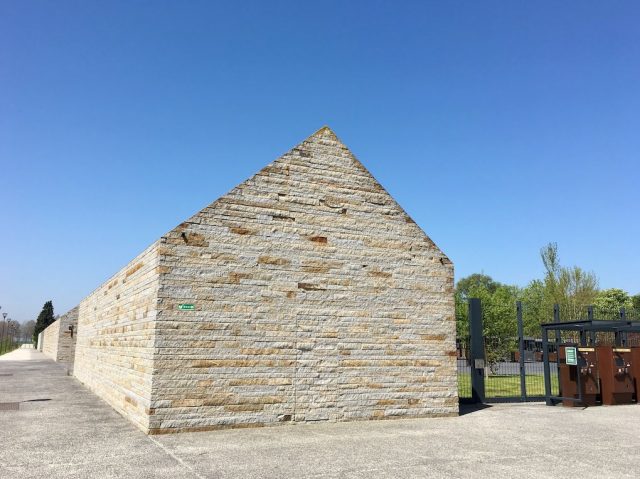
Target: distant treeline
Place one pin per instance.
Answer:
(572, 288)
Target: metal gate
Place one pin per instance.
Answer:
(499, 364)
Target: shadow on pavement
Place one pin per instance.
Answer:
(470, 408)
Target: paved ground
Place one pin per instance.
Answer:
(73, 434)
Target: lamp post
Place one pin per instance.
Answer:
(13, 329)
(9, 328)
(7, 333)
(7, 340)
(4, 332)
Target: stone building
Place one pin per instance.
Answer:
(59, 338)
(304, 294)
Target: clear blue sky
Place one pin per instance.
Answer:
(499, 126)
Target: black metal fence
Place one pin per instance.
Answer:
(501, 355)
(464, 369)
(462, 351)
(569, 312)
(514, 369)
(509, 364)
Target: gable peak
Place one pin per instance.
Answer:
(325, 132)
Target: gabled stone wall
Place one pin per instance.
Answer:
(317, 298)
(305, 294)
(116, 334)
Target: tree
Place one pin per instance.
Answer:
(500, 324)
(551, 262)
(477, 285)
(45, 318)
(572, 288)
(27, 329)
(534, 310)
(499, 314)
(635, 300)
(611, 300)
(476, 282)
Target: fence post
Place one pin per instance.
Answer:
(556, 319)
(476, 350)
(621, 336)
(558, 340)
(523, 380)
(592, 334)
(547, 368)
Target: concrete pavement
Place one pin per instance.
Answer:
(61, 430)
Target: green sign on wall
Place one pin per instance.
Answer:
(571, 356)
(187, 306)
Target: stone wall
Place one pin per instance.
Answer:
(115, 338)
(59, 342)
(50, 340)
(67, 338)
(317, 298)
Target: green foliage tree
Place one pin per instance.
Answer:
(609, 301)
(535, 310)
(476, 282)
(551, 262)
(462, 316)
(45, 318)
(476, 285)
(571, 287)
(635, 301)
(500, 324)
(499, 314)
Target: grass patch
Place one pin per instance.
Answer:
(507, 385)
(8, 346)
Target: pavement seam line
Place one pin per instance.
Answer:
(176, 458)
